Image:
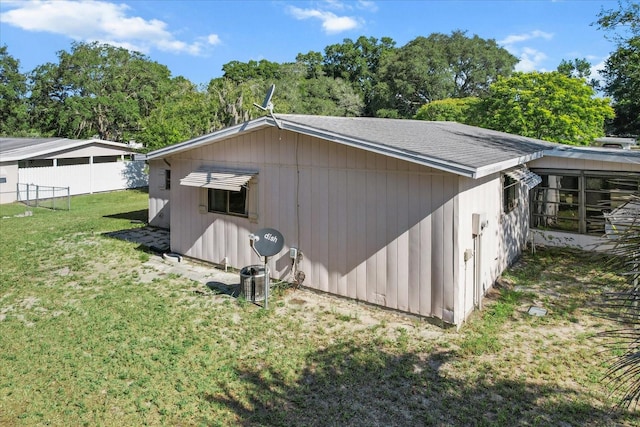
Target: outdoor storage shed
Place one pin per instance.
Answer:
(84, 166)
(411, 215)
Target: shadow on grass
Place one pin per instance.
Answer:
(141, 215)
(224, 288)
(148, 238)
(347, 384)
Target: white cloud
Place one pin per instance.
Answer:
(596, 71)
(530, 60)
(331, 23)
(335, 4)
(519, 38)
(368, 5)
(99, 21)
(213, 39)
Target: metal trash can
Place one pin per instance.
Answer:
(252, 282)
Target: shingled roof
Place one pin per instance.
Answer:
(15, 149)
(453, 147)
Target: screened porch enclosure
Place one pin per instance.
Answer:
(577, 201)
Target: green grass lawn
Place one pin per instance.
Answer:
(87, 339)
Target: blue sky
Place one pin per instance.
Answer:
(195, 38)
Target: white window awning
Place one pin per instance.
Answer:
(217, 178)
(525, 176)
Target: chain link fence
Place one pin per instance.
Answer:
(43, 196)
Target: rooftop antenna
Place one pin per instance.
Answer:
(267, 105)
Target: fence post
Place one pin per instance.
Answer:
(53, 198)
(28, 201)
(69, 198)
(37, 195)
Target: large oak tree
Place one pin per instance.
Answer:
(13, 89)
(622, 68)
(549, 106)
(96, 89)
(438, 67)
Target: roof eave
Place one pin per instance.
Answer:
(499, 167)
(58, 148)
(211, 137)
(597, 154)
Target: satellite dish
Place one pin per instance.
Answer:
(267, 105)
(267, 242)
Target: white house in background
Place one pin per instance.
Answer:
(85, 166)
(616, 142)
(415, 216)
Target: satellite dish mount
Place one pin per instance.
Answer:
(267, 105)
(266, 242)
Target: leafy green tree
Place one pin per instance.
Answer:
(239, 72)
(622, 83)
(579, 69)
(622, 68)
(475, 63)
(438, 67)
(327, 96)
(233, 101)
(459, 110)
(97, 89)
(549, 106)
(184, 113)
(46, 102)
(13, 90)
(358, 63)
(415, 74)
(312, 61)
(622, 23)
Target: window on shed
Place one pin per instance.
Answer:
(35, 163)
(509, 194)
(228, 202)
(73, 161)
(106, 159)
(167, 179)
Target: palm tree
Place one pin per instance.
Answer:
(623, 305)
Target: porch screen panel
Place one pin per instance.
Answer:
(555, 203)
(603, 194)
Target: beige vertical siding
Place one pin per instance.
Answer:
(159, 208)
(370, 228)
(8, 189)
(502, 240)
(483, 197)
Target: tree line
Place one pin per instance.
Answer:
(115, 94)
